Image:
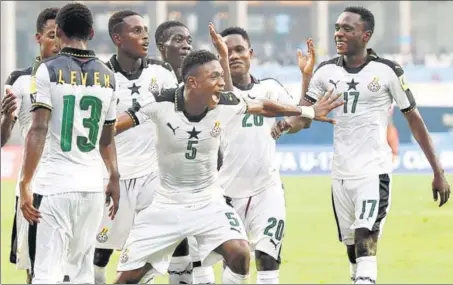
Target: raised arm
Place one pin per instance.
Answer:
(222, 50)
(9, 107)
(400, 91)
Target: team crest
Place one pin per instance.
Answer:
(124, 256)
(102, 236)
(216, 130)
(374, 85)
(153, 86)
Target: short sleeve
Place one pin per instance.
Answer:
(110, 118)
(40, 89)
(277, 92)
(399, 90)
(316, 88)
(148, 111)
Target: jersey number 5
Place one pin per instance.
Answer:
(192, 150)
(91, 123)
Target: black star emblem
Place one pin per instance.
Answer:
(193, 133)
(134, 89)
(352, 84)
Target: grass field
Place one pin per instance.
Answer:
(417, 246)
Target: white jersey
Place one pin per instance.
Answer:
(19, 82)
(249, 162)
(360, 134)
(81, 96)
(135, 148)
(187, 150)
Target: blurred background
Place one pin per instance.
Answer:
(415, 34)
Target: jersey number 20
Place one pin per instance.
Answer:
(91, 123)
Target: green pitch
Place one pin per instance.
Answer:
(417, 245)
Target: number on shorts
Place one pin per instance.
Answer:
(373, 207)
(233, 221)
(278, 232)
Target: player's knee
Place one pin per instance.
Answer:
(265, 262)
(102, 256)
(238, 258)
(182, 249)
(351, 253)
(365, 242)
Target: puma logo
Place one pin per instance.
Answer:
(334, 83)
(173, 129)
(274, 243)
(253, 98)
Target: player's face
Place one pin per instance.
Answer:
(177, 46)
(350, 34)
(208, 82)
(133, 37)
(240, 54)
(47, 41)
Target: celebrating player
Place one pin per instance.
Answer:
(73, 98)
(189, 200)
(249, 175)
(362, 162)
(136, 76)
(16, 105)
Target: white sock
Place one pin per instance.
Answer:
(180, 270)
(366, 270)
(203, 275)
(353, 271)
(229, 277)
(99, 275)
(268, 277)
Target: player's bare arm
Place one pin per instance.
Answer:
(9, 106)
(124, 122)
(222, 50)
(317, 112)
(33, 148)
(107, 150)
(441, 188)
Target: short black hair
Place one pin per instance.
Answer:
(195, 59)
(160, 35)
(75, 20)
(117, 18)
(365, 15)
(236, 31)
(44, 16)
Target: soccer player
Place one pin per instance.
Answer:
(73, 99)
(174, 42)
(249, 175)
(136, 76)
(362, 162)
(188, 201)
(16, 105)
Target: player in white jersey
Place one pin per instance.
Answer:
(136, 76)
(16, 106)
(249, 175)
(73, 99)
(362, 161)
(188, 202)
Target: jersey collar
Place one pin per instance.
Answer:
(249, 86)
(75, 52)
(114, 64)
(372, 55)
(179, 106)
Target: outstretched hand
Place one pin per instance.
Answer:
(218, 42)
(306, 62)
(325, 104)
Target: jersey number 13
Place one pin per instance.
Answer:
(85, 144)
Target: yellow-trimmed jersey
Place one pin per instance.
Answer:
(79, 90)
